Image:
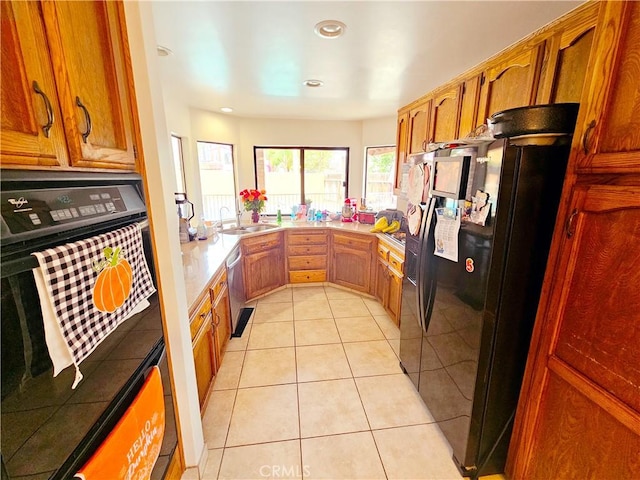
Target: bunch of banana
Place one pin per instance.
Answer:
(392, 228)
(380, 224)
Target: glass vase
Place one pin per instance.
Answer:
(255, 216)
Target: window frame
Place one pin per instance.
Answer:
(232, 211)
(179, 162)
(302, 149)
(366, 167)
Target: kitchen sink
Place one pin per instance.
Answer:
(248, 229)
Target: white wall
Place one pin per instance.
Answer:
(245, 133)
(379, 131)
(160, 184)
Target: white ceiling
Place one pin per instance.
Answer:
(254, 55)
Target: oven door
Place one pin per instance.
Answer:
(48, 429)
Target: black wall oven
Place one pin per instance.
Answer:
(49, 430)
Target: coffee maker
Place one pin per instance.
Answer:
(185, 214)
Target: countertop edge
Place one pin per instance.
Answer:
(201, 259)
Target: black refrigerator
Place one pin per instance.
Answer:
(474, 264)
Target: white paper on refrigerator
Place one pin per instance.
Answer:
(446, 233)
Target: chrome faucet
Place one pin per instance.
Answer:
(238, 213)
(224, 207)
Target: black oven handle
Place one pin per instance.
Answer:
(25, 261)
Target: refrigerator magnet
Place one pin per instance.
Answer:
(468, 265)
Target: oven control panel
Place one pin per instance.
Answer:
(29, 210)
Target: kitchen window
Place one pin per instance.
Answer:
(217, 181)
(291, 176)
(178, 163)
(379, 177)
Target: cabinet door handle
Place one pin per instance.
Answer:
(424, 145)
(568, 227)
(217, 320)
(47, 106)
(586, 137)
(87, 119)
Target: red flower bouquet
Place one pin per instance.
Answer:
(253, 199)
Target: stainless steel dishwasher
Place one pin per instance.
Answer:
(236, 290)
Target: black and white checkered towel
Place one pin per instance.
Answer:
(70, 276)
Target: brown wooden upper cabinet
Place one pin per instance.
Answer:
(567, 54)
(469, 105)
(81, 49)
(401, 144)
(511, 82)
(418, 128)
(607, 136)
(32, 132)
(445, 115)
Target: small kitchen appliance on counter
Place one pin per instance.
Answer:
(185, 214)
(368, 218)
(349, 210)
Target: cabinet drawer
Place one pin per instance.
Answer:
(307, 276)
(359, 243)
(396, 262)
(218, 284)
(307, 250)
(383, 252)
(198, 318)
(308, 262)
(261, 243)
(308, 239)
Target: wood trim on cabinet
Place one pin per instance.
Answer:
(611, 44)
(582, 198)
(452, 94)
(583, 22)
(617, 409)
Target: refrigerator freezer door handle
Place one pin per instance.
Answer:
(421, 275)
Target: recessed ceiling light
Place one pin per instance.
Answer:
(313, 83)
(163, 51)
(330, 29)
(227, 109)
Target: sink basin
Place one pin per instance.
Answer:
(248, 229)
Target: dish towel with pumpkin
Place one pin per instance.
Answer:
(87, 289)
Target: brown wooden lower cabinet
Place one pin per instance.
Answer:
(389, 267)
(263, 263)
(307, 255)
(579, 411)
(176, 465)
(210, 331)
(351, 261)
(221, 315)
(578, 438)
(203, 346)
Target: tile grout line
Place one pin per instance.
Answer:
(295, 356)
(246, 349)
(235, 398)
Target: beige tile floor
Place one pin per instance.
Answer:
(313, 390)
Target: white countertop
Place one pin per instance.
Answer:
(201, 259)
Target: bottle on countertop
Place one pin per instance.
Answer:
(201, 231)
(279, 217)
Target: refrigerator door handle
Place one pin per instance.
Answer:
(422, 278)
